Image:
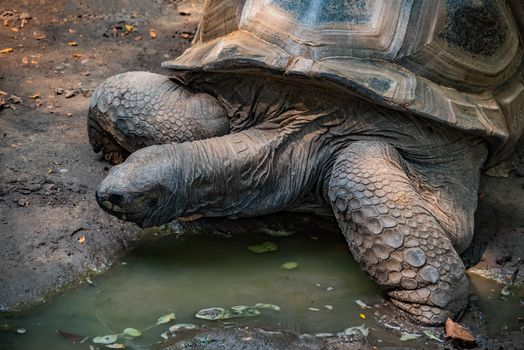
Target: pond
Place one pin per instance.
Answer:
(184, 275)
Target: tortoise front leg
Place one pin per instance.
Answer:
(393, 234)
(133, 110)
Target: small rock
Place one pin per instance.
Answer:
(70, 93)
(59, 91)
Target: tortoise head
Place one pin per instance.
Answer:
(143, 188)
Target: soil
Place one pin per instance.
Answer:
(52, 232)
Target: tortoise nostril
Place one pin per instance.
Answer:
(116, 198)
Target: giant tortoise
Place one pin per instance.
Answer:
(379, 112)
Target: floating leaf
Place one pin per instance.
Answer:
(290, 265)
(361, 329)
(166, 318)
(433, 336)
(267, 306)
(456, 331)
(105, 339)
(263, 247)
(237, 311)
(362, 304)
(132, 332)
(409, 336)
(116, 346)
(180, 326)
(239, 308)
(212, 314)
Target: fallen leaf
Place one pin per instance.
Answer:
(362, 329)
(72, 43)
(362, 316)
(267, 306)
(263, 247)
(290, 265)
(6, 50)
(409, 336)
(116, 346)
(456, 331)
(362, 304)
(81, 239)
(129, 27)
(132, 332)
(25, 61)
(72, 31)
(166, 318)
(35, 96)
(14, 29)
(152, 33)
(105, 339)
(77, 56)
(180, 326)
(433, 336)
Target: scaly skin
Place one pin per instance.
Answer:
(393, 235)
(128, 117)
(402, 189)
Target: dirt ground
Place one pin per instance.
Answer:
(52, 232)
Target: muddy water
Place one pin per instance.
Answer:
(183, 276)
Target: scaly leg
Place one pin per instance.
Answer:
(393, 233)
(138, 109)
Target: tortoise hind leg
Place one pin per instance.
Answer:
(393, 234)
(138, 109)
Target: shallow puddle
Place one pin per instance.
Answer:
(184, 276)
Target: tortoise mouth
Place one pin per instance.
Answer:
(114, 204)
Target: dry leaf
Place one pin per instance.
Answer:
(25, 61)
(7, 50)
(72, 43)
(71, 31)
(77, 56)
(129, 27)
(152, 33)
(35, 96)
(362, 316)
(81, 239)
(14, 29)
(456, 331)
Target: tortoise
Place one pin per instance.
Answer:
(379, 113)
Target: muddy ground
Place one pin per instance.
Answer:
(52, 232)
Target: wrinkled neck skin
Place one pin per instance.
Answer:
(285, 137)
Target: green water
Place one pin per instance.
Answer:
(183, 276)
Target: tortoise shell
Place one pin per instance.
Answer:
(458, 62)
